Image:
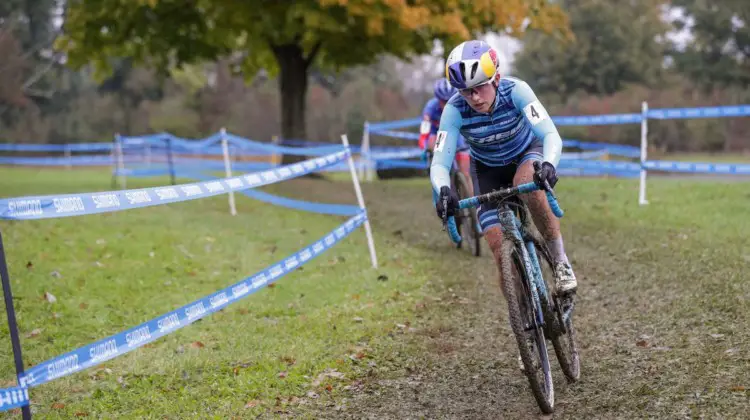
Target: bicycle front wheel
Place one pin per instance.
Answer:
(563, 335)
(524, 316)
(468, 223)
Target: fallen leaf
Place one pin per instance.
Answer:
(272, 285)
(328, 373)
(81, 414)
(236, 371)
(282, 374)
(288, 360)
(49, 297)
(251, 404)
(738, 388)
(29, 265)
(641, 343)
(329, 388)
(83, 305)
(198, 345)
(355, 297)
(361, 355)
(35, 332)
(58, 406)
(243, 311)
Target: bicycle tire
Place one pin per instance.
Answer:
(515, 288)
(563, 337)
(468, 221)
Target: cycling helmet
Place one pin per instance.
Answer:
(470, 64)
(443, 90)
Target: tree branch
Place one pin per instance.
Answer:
(311, 56)
(35, 78)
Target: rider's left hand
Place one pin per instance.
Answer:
(546, 171)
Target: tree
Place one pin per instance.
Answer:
(616, 43)
(284, 37)
(718, 55)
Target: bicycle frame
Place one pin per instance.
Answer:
(516, 229)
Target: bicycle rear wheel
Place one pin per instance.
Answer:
(467, 221)
(524, 315)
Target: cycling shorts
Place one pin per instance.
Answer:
(490, 178)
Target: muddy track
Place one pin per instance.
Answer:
(460, 361)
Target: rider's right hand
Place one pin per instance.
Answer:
(452, 200)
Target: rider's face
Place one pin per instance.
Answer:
(480, 98)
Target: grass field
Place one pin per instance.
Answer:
(662, 313)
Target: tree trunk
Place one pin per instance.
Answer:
(293, 87)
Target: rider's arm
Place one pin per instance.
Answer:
(445, 147)
(533, 111)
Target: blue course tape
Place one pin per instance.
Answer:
(391, 125)
(246, 144)
(118, 344)
(73, 147)
(322, 208)
(51, 206)
(600, 165)
(583, 155)
(705, 112)
(394, 164)
(407, 153)
(13, 398)
(598, 119)
(613, 149)
(396, 134)
(96, 160)
(693, 167)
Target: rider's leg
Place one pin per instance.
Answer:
(486, 179)
(549, 227)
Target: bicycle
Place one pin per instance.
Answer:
(534, 314)
(468, 219)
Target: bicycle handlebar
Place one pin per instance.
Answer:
(450, 222)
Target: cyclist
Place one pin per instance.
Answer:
(431, 120)
(507, 128)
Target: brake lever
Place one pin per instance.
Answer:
(445, 212)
